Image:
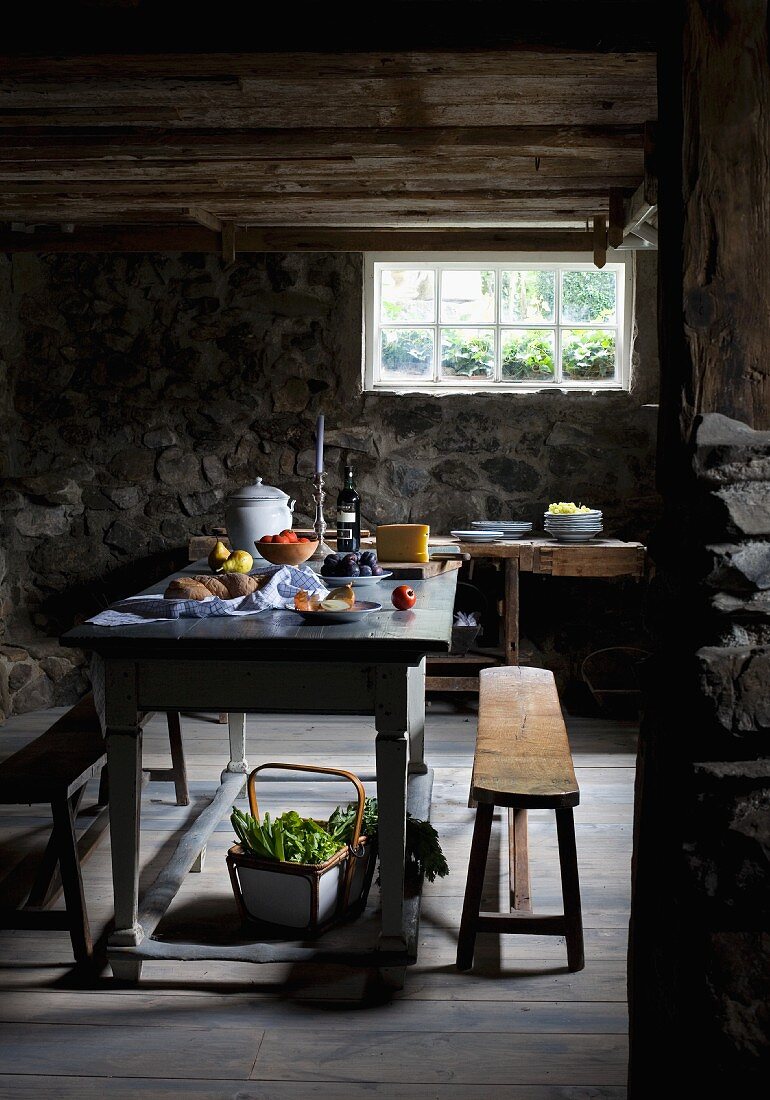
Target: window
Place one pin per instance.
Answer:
(439, 324)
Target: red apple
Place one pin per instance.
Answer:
(403, 597)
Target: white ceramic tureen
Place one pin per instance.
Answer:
(255, 511)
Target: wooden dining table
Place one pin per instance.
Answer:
(271, 661)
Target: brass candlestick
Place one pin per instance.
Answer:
(319, 525)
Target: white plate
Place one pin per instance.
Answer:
(357, 582)
(478, 536)
(576, 516)
(571, 526)
(359, 610)
(584, 537)
(482, 523)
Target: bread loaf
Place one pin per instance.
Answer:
(229, 586)
(186, 588)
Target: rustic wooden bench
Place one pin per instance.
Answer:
(55, 768)
(522, 762)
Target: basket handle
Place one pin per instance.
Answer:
(254, 807)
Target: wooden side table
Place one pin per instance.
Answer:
(598, 558)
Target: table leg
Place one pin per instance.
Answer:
(237, 730)
(392, 750)
(124, 764)
(511, 613)
(416, 716)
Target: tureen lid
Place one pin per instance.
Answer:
(258, 491)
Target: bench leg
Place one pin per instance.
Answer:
(46, 884)
(72, 880)
(103, 797)
(466, 941)
(518, 861)
(570, 888)
(178, 765)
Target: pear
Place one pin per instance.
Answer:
(240, 561)
(218, 556)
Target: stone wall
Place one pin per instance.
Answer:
(142, 389)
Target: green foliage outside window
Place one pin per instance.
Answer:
(588, 354)
(588, 296)
(466, 356)
(408, 352)
(527, 357)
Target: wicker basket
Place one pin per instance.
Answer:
(298, 899)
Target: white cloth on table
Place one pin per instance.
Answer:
(285, 581)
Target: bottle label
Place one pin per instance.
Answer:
(345, 517)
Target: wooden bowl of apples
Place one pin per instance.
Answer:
(286, 548)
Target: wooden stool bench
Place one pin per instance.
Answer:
(523, 762)
(55, 768)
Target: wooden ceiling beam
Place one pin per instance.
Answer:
(114, 68)
(292, 239)
(44, 144)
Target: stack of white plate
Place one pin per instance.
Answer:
(511, 528)
(575, 528)
(491, 535)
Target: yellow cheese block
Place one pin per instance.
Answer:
(402, 542)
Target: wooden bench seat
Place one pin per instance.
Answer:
(55, 768)
(522, 762)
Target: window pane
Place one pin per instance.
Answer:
(467, 353)
(588, 354)
(528, 355)
(527, 296)
(407, 295)
(588, 296)
(406, 353)
(467, 296)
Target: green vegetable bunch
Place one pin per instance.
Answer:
(295, 839)
(289, 838)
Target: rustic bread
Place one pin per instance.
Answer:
(186, 588)
(229, 586)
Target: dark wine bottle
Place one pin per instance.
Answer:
(348, 515)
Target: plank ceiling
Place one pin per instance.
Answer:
(490, 138)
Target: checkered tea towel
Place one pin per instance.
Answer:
(285, 581)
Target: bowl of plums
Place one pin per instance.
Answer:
(359, 568)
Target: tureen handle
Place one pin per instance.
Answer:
(291, 504)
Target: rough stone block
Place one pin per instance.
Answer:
(214, 470)
(180, 469)
(734, 681)
(51, 488)
(745, 507)
(42, 520)
(739, 567)
(199, 504)
(134, 464)
(729, 451)
(292, 396)
(511, 475)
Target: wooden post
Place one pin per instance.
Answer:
(511, 612)
(697, 977)
(600, 240)
(518, 861)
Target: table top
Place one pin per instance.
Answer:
(282, 635)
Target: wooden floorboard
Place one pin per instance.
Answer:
(518, 1026)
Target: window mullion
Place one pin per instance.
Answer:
(437, 328)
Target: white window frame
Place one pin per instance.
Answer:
(375, 262)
